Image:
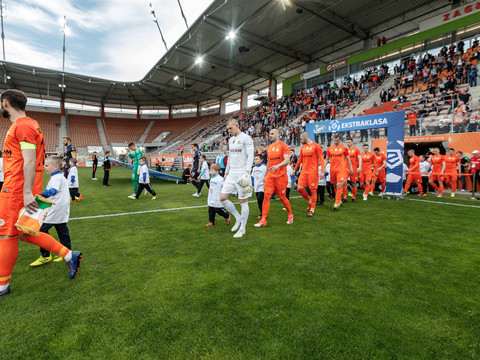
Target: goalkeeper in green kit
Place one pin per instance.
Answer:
(135, 153)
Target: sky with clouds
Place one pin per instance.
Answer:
(112, 39)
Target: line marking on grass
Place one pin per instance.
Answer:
(236, 203)
(156, 210)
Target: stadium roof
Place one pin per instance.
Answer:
(272, 39)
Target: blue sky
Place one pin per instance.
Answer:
(112, 39)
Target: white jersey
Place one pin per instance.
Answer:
(1, 169)
(60, 212)
(405, 168)
(144, 174)
(216, 184)
(258, 174)
(73, 177)
(322, 182)
(327, 172)
(204, 171)
(424, 166)
(240, 156)
(289, 175)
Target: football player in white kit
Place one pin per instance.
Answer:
(237, 176)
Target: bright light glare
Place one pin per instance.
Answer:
(199, 59)
(231, 35)
(175, 77)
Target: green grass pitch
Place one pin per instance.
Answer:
(381, 279)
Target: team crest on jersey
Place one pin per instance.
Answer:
(313, 184)
(283, 192)
(2, 222)
(277, 149)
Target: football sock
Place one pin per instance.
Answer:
(266, 205)
(244, 214)
(228, 205)
(441, 189)
(286, 204)
(367, 189)
(338, 195)
(420, 189)
(354, 191)
(434, 186)
(68, 257)
(3, 287)
(304, 193)
(345, 191)
(47, 242)
(407, 186)
(384, 185)
(8, 257)
(313, 200)
(454, 186)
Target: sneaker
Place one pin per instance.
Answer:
(462, 190)
(425, 194)
(439, 195)
(309, 206)
(6, 291)
(344, 200)
(336, 206)
(259, 216)
(365, 197)
(237, 225)
(210, 225)
(353, 200)
(57, 258)
(370, 193)
(227, 220)
(350, 194)
(284, 209)
(240, 233)
(261, 223)
(155, 197)
(131, 196)
(419, 194)
(108, 185)
(72, 200)
(196, 195)
(41, 260)
(433, 193)
(290, 219)
(105, 185)
(310, 212)
(452, 195)
(79, 198)
(74, 263)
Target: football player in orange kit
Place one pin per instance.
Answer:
(338, 156)
(366, 170)
(379, 173)
(311, 156)
(356, 161)
(438, 168)
(24, 155)
(278, 155)
(414, 173)
(452, 169)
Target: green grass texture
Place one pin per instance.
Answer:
(378, 279)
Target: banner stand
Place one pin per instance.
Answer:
(394, 122)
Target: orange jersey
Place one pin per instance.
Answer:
(437, 163)
(310, 156)
(338, 158)
(275, 155)
(367, 160)
(353, 152)
(451, 163)
(27, 130)
(378, 161)
(414, 163)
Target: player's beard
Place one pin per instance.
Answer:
(5, 113)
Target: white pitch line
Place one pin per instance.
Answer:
(445, 203)
(154, 211)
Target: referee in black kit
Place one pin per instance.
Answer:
(95, 163)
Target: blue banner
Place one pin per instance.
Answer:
(395, 124)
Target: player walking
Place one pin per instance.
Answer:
(365, 177)
(237, 176)
(379, 172)
(311, 157)
(414, 173)
(356, 161)
(135, 153)
(276, 181)
(24, 154)
(452, 169)
(338, 156)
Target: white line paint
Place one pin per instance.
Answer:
(445, 203)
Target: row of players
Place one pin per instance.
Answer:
(346, 163)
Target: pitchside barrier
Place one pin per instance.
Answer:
(393, 121)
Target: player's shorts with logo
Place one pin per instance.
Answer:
(365, 177)
(10, 206)
(432, 177)
(414, 178)
(308, 180)
(450, 177)
(276, 185)
(354, 176)
(230, 186)
(338, 177)
(381, 177)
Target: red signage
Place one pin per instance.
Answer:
(336, 65)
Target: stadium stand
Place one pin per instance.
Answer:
(124, 131)
(174, 126)
(83, 130)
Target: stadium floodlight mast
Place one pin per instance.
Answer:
(155, 20)
(64, 23)
(2, 8)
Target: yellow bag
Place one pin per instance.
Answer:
(31, 223)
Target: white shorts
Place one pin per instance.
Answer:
(230, 186)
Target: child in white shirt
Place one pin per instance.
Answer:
(424, 166)
(259, 172)
(204, 176)
(291, 178)
(330, 189)
(144, 180)
(73, 184)
(57, 191)
(214, 204)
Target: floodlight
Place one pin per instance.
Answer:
(231, 35)
(199, 59)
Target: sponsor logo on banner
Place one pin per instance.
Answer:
(334, 125)
(394, 158)
(319, 129)
(187, 159)
(454, 14)
(310, 74)
(336, 65)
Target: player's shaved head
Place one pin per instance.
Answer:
(274, 135)
(233, 127)
(305, 135)
(232, 121)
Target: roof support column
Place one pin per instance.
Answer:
(243, 100)
(138, 112)
(272, 88)
(222, 107)
(198, 110)
(169, 113)
(62, 106)
(102, 112)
